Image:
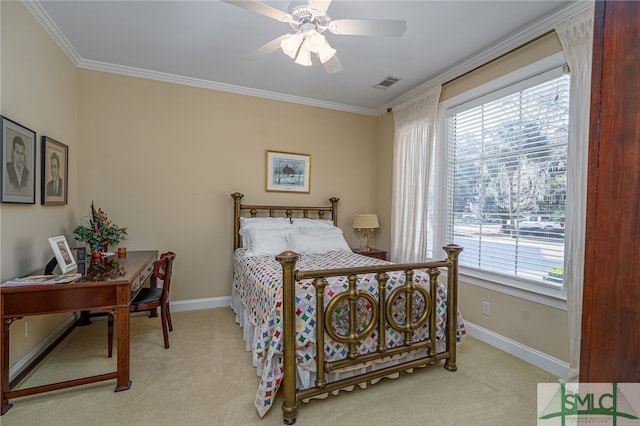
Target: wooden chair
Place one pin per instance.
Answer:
(151, 298)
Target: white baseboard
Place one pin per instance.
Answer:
(525, 353)
(196, 304)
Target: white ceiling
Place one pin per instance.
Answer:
(202, 43)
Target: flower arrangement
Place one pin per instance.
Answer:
(101, 232)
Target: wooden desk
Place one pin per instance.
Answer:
(98, 291)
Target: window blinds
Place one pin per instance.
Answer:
(507, 179)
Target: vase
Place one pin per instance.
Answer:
(96, 256)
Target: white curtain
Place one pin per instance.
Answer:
(414, 120)
(576, 36)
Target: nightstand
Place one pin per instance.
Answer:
(374, 252)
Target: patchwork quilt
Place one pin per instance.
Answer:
(258, 283)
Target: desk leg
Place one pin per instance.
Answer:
(85, 318)
(123, 362)
(4, 362)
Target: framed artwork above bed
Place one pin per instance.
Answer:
(288, 172)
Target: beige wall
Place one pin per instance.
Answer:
(384, 179)
(39, 91)
(163, 159)
(532, 324)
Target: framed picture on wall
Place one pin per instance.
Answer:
(55, 172)
(18, 158)
(288, 172)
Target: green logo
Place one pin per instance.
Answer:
(591, 399)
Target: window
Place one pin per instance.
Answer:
(506, 164)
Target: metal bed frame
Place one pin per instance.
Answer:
(381, 316)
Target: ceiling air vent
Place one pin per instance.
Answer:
(387, 82)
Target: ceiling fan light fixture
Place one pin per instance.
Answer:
(315, 40)
(291, 44)
(309, 18)
(326, 52)
(304, 55)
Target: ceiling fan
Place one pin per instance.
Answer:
(309, 20)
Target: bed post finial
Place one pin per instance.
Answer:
(334, 209)
(237, 199)
(453, 252)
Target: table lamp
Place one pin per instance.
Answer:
(365, 224)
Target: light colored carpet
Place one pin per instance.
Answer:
(206, 378)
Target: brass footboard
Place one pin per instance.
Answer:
(380, 317)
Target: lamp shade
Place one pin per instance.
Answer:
(365, 221)
(326, 52)
(291, 44)
(315, 40)
(304, 55)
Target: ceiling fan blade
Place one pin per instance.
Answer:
(368, 27)
(266, 49)
(333, 65)
(261, 8)
(319, 5)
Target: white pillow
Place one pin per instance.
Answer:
(319, 243)
(266, 242)
(263, 222)
(244, 233)
(318, 231)
(276, 223)
(304, 244)
(334, 241)
(301, 224)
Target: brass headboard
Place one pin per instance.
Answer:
(286, 211)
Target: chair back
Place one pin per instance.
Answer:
(163, 269)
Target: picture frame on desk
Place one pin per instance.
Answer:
(18, 159)
(55, 172)
(80, 254)
(62, 252)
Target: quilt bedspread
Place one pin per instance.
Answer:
(258, 282)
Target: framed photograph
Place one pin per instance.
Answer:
(288, 172)
(18, 157)
(80, 254)
(55, 172)
(63, 254)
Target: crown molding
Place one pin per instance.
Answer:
(45, 21)
(207, 84)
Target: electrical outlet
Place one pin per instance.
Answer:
(27, 328)
(486, 308)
